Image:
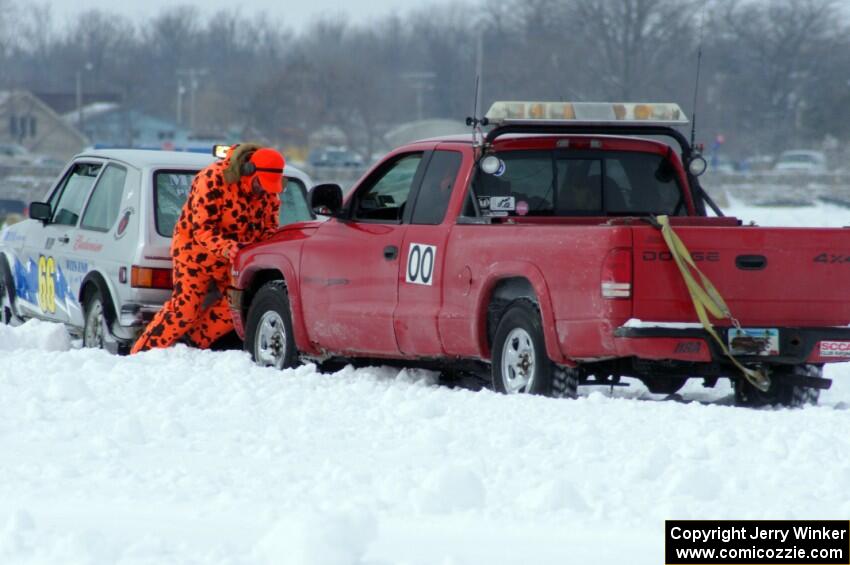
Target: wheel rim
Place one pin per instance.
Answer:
(94, 326)
(518, 362)
(270, 343)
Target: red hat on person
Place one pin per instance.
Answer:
(269, 169)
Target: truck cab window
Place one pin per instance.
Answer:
(436, 190)
(385, 197)
(579, 183)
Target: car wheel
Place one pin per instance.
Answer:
(520, 364)
(781, 391)
(94, 329)
(268, 333)
(7, 310)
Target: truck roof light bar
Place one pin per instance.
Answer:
(587, 113)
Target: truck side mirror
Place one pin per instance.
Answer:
(326, 199)
(40, 211)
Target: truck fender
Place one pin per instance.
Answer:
(271, 262)
(517, 269)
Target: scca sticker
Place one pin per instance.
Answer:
(835, 349)
(123, 223)
(420, 264)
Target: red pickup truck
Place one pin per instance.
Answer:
(530, 254)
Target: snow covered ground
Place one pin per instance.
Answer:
(185, 457)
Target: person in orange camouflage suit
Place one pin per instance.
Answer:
(231, 203)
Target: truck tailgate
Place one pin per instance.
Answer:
(768, 276)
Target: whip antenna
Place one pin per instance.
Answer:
(475, 121)
(699, 65)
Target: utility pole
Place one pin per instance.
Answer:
(87, 67)
(193, 75)
(181, 90)
(420, 82)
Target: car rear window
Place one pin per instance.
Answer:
(171, 189)
(579, 183)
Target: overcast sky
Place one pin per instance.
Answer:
(292, 12)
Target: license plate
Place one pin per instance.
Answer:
(754, 341)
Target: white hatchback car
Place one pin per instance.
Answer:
(96, 254)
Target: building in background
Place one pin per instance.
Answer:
(25, 120)
(109, 124)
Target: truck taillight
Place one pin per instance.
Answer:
(617, 273)
(145, 277)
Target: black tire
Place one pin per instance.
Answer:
(526, 368)
(7, 312)
(781, 392)
(95, 331)
(268, 333)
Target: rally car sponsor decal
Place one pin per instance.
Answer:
(420, 264)
(43, 284)
(123, 223)
(83, 244)
(13, 237)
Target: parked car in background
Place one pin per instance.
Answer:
(757, 163)
(96, 254)
(11, 208)
(12, 154)
(802, 161)
(339, 157)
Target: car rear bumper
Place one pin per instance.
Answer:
(796, 345)
(134, 315)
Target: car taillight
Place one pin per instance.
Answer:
(617, 273)
(145, 277)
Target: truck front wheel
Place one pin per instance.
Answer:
(268, 332)
(520, 364)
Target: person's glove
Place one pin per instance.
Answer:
(231, 251)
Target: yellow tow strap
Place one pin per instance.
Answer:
(706, 299)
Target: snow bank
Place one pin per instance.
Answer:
(185, 456)
(34, 334)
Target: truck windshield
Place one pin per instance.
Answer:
(579, 183)
(171, 189)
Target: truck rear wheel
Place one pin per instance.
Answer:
(268, 332)
(781, 392)
(520, 364)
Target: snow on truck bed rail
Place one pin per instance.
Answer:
(196, 457)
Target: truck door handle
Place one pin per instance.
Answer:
(390, 252)
(64, 239)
